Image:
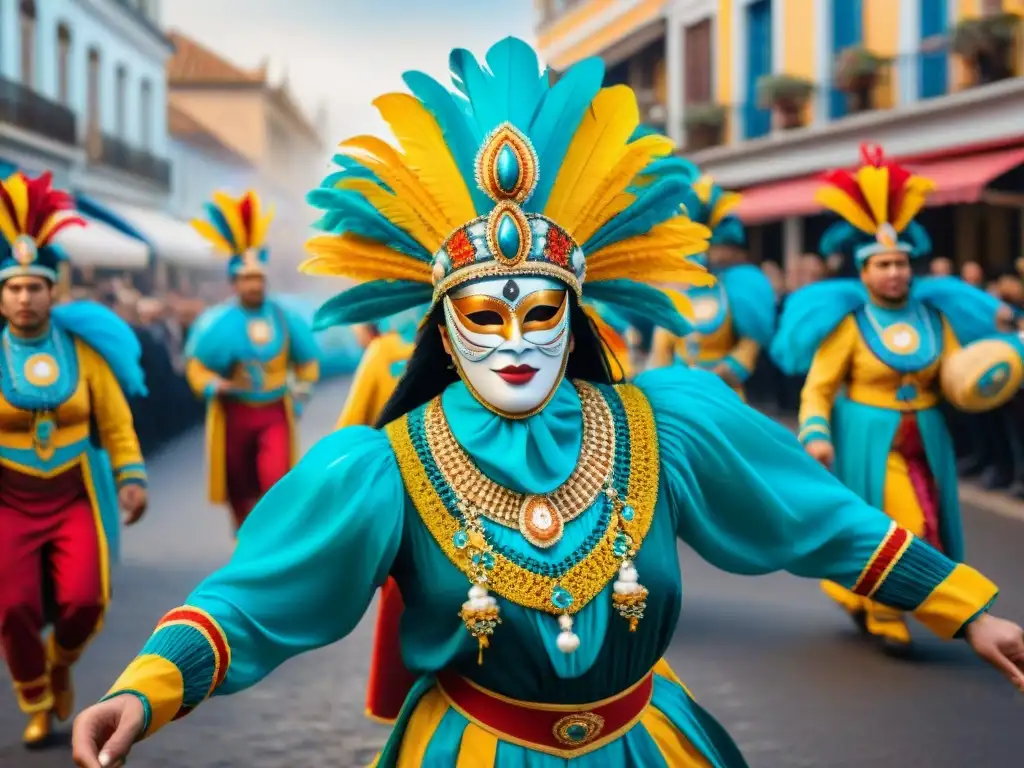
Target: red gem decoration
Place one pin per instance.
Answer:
(558, 247)
(460, 250)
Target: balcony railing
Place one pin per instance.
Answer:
(113, 152)
(26, 109)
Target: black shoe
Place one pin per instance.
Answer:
(995, 479)
(969, 467)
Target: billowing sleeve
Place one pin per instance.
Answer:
(306, 566)
(113, 419)
(749, 500)
(828, 372)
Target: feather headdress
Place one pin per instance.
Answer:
(878, 203)
(31, 214)
(713, 207)
(506, 176)
(237, 228)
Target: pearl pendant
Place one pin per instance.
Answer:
(568, 641)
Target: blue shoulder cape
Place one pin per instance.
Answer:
(110, 336)
(813, 312)
(752, 302)
(212, 339)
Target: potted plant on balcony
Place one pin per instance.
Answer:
(856, 74)
(704, 125)
(787, 96)
(986, 45)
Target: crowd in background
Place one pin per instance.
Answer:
(990, 446)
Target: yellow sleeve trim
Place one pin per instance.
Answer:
(160, 681)
(958, 598)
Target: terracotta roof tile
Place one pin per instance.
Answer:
(184, 127)
(194, 63)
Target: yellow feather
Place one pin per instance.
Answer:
(671, 237)
(428, 156)
(361, 259)
(874, 185)
(839, 202)
(681, 301)
(51, 221)
(228, 207)
(260, 228)
(661, 252)
(725, 205)
(635, 157)
(7, 226)
(398, 211)
(17, 188)
(596, 147)
(389, 165)
(915, 195)
(702, 188)
(213, 236)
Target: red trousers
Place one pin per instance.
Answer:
(257, 453)
(50, 572)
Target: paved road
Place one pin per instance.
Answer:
(770, 657)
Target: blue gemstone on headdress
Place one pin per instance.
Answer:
(507, 169)
(509, 239)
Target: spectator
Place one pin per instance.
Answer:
(941, 267)
(972, 274)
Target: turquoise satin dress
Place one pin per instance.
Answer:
(733, 484)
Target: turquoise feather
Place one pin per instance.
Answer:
(108, 335)
(970, 311)
(627, 296)
(753, 302)
(654, 204)
(371, 301)
(809, 315)
(221, 224)
(520, 83)
(350, 212)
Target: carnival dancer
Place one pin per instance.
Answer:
(734, 319)
(63, 369)
(253, 359)
(512, 470)
(880, 353)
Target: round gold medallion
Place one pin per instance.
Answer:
(902, 338)
(41, 370)
(578, 729)
(705, 308)
(540, 522)
(260, 331)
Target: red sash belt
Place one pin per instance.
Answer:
(564, 730)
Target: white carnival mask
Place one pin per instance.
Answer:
(511, 340)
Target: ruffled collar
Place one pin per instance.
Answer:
(532, 455)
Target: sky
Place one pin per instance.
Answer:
(344, 53)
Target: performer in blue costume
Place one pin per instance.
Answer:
(254, 360)
(734, 319)
(880, 353)
(528, 509)
(64, 373)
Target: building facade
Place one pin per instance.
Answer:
(260, 124)
(765, 94)
(83, 94)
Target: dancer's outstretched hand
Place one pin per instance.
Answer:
(1001, 644)
(105, 732)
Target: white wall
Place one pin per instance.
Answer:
(120, 38)
(197, 172)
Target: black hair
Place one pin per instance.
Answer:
(429, 370)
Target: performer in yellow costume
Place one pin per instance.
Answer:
(64, 370)
(528, 507)
(734, 319)
(241, 355)
(880, 354)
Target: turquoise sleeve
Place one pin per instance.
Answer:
(747, 496)
(310, 556)
(303, 345)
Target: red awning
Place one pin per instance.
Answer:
(957, 180)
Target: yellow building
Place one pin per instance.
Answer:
(831, 74)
